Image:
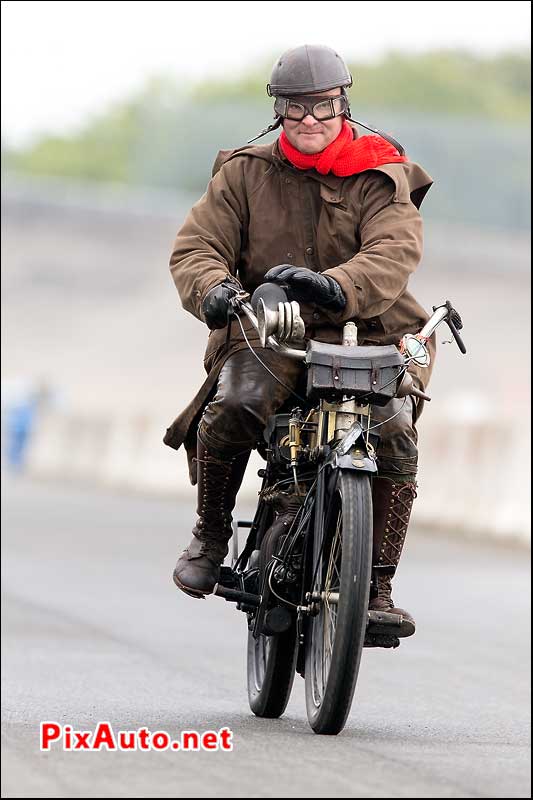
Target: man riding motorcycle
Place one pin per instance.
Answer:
(333, 217)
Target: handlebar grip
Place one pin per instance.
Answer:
(456, 318)
(455, 323)
(456, 336)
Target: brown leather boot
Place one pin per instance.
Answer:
(219, 479)
(392, 503)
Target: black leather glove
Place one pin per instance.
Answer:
(308, 286)
(216, 304)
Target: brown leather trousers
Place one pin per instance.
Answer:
(247, 395)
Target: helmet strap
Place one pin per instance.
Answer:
(383, 135)
(270, 128)
(394, 142)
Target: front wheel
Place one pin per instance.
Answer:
(342, 564)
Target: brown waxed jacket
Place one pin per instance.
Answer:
(259, 211)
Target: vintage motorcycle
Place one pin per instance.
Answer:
(304, 574)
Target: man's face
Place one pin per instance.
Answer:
(311, 136)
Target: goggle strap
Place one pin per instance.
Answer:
(383, 135)
(270, 128)
(394, 142)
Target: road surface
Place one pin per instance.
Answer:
(95, 630)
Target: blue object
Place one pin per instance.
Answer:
(19, 426)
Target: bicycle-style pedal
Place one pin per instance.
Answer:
(381, 640)
(383, 623)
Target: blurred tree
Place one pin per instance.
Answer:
(465, 118)
(106, 147)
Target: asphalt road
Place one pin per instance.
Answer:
(95, 630)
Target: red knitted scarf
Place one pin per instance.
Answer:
(345, 155)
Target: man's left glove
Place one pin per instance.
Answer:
(309, 286)
(216, 304)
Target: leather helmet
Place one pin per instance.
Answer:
(308, 69)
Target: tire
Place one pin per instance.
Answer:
(345, 569)
(271, 660)
(271, 667)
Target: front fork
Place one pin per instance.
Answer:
(351, 443)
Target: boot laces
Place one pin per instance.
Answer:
(214, 497)
(384, 588)
(402, 498)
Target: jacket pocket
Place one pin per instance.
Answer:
(337, 230)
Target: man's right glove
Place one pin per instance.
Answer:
(216, 304)
(308, 286)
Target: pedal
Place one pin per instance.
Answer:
(245, 601)
(383, 623)
(381, 640)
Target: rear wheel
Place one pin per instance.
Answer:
(336, 633)
(271, 663)
(271, 659)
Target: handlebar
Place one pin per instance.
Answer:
(289, 321)
(445, 313)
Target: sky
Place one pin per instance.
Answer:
(64, 61)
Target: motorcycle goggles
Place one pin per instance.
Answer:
(321, 108)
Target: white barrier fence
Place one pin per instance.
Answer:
(474, 476)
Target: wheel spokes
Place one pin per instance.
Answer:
(324, 623)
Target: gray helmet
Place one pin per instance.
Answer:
(307, 69)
